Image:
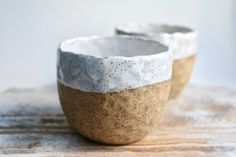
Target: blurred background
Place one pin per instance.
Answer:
(30, 32)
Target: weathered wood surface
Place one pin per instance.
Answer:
(201, 122)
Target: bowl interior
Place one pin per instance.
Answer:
(113, 46)
(152, 28)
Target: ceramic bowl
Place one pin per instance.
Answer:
(112, 89)
(182, 41)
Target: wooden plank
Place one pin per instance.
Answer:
(201, 122)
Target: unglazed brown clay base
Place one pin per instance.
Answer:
(182, 70)
(114, 117)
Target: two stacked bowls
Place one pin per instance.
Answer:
(113, 89)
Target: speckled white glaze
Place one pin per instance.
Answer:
(181, 39)
(112, 63)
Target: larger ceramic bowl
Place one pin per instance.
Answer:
(181, 39)
(112, 89)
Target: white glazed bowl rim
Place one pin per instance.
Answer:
(155, 52)
(90, 73)
(139, 29)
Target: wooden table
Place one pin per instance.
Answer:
(201, 122)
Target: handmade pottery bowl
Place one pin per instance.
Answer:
(112, 89)
(182, 41)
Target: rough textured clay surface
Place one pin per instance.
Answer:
(112, 89)
(182, 41)
(201, 122)
(182, 70)
(115, 117)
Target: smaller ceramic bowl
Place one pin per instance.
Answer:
(181, 39)
(112, 89)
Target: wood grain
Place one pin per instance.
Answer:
(201, 122)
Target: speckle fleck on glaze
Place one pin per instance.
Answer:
(87, 68)
(181, 39)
